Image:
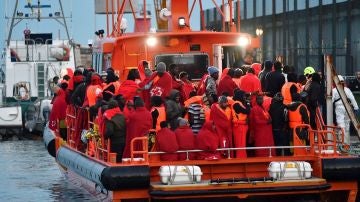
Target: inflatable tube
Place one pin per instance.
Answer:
(49, 140)
(341, 168)
(114, 178)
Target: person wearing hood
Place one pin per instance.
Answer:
(341, 116)
(210, 82)
(185, 138)
(221, 115)
(160, 82)
(115, 129)
(267, 68)
(129, 89)
(93, 91)
(261, 128)
(250, 84)
(240, 112)
(174, 110)
(226, 84)
(208, 141)
(166, 142)
(138, 125)
(278, 114)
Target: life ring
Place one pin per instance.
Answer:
(23, 92)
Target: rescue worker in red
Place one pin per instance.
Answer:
(250, 83)
(240, 112)
(185, 138)
(208, 140)
(221, 115)
(298, 114)
(226, 84)
(160, 82)
(166, 142)
(261, 129)
(115, 129)
(138, 125)
(158, 112)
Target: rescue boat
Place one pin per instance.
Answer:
(321, 168)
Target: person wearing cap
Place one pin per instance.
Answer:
(138, 125)
(160, 82)
(342, 118)
(210, 83)
(185, 138)
(221, 115)
(261, 129)
(115, 129)
(313, 90)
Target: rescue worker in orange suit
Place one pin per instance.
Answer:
(93, 90)
(298, 114)
(129, 89)
(208, 140)
(250, 83)
(115, 129)
(185, 139)
(166, 142)
(158, 112)
(290, 88)
(261, 129)
(221, 115)
(240, 112)
(227, 85)
(138, 125)
(160, 83)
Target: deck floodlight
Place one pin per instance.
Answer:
(243, 41)
(181, 22)
(151, 41)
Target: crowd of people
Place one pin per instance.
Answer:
(254, 105)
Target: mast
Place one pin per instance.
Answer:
(12, 23)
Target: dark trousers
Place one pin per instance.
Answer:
(281, 138)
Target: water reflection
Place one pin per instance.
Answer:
(29, 173)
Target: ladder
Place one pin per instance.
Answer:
(333, 77)
(41, 80)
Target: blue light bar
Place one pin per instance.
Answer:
(38, 6)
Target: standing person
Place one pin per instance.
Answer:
(142, 66)
(195, 112)
(274, 80)
(278, 114)
(115, 129)
(187, 86)
(210, 83)
(313, 89)
(138, 125)
(237, 75)
(250, 84)
(261, 129)
(158, 112)
(342, 118)
(185, 138)
(290, 87)
(145, 94)
(160, 82)
(267, 69)
(129, 88)
(166, 142)
(227, 85)
(208, 140)
(174, 72)
(354, 85)
(240, 112)
(58, 112)
(221, 115)
(174, 110)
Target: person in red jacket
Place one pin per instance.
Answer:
(145, 94)
(129, 89)
(250, 83)
(139, 123)
(58, 112)
(221, 115)
(166, 142)
(208, 140)
(187, 86)
(227, 84)
(185, 138)
(160, 83)
(261, 129)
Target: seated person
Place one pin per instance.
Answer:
(166, 142)
(185, 138)
(208, 140)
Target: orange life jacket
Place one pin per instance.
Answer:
(161, 117)
(295, 116)
(207, 111)
(285, 92)
(238, 118)
(92, 93)
(192, 100)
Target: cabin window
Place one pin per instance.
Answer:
(194, 64)
(21, 91)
